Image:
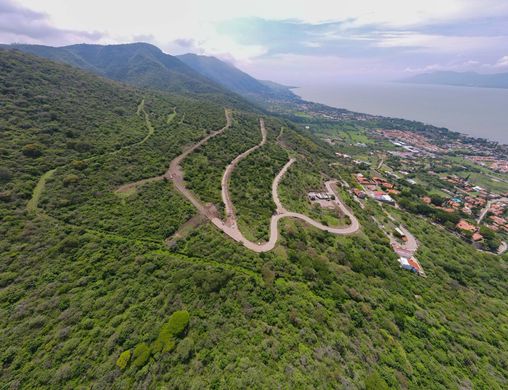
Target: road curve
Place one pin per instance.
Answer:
(230, 226)
(226, 178)
(175, 172)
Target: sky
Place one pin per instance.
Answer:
(294, 42)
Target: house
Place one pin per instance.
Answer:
(360, 194)
(382, 197)
(320, 196)
(413, 263)
(497, 220)
(427, 200)
(410, 264)
(477, 237)
(467, 210)
(362, 179)
(466, 226)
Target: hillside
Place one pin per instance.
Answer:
(234, 79)
(462, 79)
(120, 269)
(138, 64)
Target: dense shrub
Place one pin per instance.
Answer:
(141, 354)
(178, 322)
(32, 150)
(123, 359)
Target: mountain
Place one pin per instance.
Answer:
(234, 79)
(463, 79)
(94, 295)
(138, 64)
(145, 65)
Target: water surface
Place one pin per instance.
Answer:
(479, 112)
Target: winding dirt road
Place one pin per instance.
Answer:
(229, 226)
(175, 172)
(226, 178)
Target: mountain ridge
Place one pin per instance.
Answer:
(145, 65)
(235, 79)
(139, 64)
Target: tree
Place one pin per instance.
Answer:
(375, 382)
(140, 355)
(185, 349)
(32, 150)
(123, 359)
(5, 174)
(437, 200)
(70, 179)
(178, 322)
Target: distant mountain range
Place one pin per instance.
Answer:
(463, 79)
(145, 65)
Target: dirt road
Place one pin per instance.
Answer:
(226, 178)
(230, 226)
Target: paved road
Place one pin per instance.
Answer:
(487, 207)
(502, 248)
(411, 245)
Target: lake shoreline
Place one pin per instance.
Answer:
(472, 111)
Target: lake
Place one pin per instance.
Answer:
(479, 112)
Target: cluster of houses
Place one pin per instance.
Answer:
(496, 219)
(377, 187)
(465, 186)
(473, 202)
(494, 163)
(466, 226)
(410, 141)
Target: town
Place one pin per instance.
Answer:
(457, 184)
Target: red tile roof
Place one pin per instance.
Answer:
(413, 263)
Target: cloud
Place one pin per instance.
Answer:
(22, 25)
(386, 36)
(502, 62)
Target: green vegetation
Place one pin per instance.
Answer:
(178, 322)
(205, 166)
(123, 359)
(141, 354)
(90, 296)
(251, 188)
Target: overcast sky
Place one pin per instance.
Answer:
(290, 41)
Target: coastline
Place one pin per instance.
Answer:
(470, 111)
